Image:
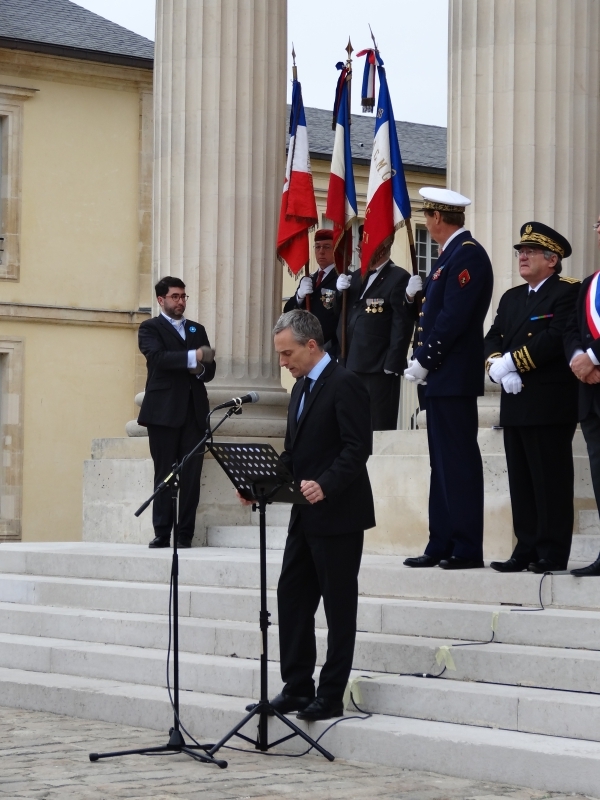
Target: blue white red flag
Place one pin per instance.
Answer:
(298, 207)
(388, 204)
(592, 306)
(341, 194)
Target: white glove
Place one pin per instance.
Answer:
(501, 367)
(343, 282)
(512, 383)
(305, 287)
(414, 285)
(415, 373)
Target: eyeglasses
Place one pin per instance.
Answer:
(596, 226)
(527, 251)
(177, 297)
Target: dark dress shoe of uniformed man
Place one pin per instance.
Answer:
(322, 708)
(160, 541)
(460, 563)
(545, 565)
(286, 703)
(591, 569)
(512, 565)
(421, 561)
(183, 544)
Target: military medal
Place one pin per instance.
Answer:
(369, 305)
(436, 274)
(327, 298)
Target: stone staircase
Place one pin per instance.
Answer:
(83, 631)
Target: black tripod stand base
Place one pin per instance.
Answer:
(176, 745)
(265, 710)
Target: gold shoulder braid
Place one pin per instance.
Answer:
(473, 243)
(567, 279)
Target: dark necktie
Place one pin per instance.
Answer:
(304, 398)
(529, 297)
(320, 277)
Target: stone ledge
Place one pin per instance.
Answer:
(68, 315)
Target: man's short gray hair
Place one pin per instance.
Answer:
(303, 325)
(558, 266)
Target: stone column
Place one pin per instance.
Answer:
(524, 123)
(219, 163)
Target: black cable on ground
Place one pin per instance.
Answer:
(541, 608)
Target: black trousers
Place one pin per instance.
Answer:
(456, 485)
(384, 396)
(315, 567)
(591, 431)
(541, 478)
(168, 445)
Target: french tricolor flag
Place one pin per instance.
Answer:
(341, 195)
(388, 205)
(298, 207)
(592, 306)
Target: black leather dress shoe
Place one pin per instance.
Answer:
(321, 708)
(460, 563)
(545, 565)
(286, 703)
(184, 544)
(512, 565)
(160, 541)
(421, 561)
(592, 569)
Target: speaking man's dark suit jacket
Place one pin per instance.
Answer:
(539, 421)
(579, 337)
(169, 383)
(331, 444)
(532, 331)
(378, 341)
(327, 316)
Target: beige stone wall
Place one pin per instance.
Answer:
(84, 242)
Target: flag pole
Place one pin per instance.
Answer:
(344, 343)
(307, 265)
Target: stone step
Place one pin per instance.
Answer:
(112, 611)
(229, 642)
(585, 547)
(380, 576)
(245, 536)
(542, 762)
(589, 524)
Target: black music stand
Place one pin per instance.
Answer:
(258, 474)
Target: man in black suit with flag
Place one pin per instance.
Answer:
(538, 407)
(327, 444)
(378, 333)
(320, 287)
(175, 406)
(582, 348)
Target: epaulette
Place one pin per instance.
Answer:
(473, 243)
(566, 279)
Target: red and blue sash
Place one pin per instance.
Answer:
(592, 306)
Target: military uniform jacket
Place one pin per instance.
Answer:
(579, 337)
(323, 305)
(331, 444)
(457, 295)
(377, 340)
(169, 383)
(533, 334)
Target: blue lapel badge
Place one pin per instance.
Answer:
(192, 329)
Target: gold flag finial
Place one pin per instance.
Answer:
(349, 50)
(294, 67)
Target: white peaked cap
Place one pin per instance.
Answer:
(443, 199)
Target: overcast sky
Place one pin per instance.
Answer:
(412, 36)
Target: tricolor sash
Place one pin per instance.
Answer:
(592, 306)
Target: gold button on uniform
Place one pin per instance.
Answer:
(419, 329)
(419, 344)
(530, 334)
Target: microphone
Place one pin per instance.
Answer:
(251, 397)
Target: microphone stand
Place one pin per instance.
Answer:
(177, 743)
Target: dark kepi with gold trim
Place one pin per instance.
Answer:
(536, 234)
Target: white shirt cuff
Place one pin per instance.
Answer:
(577, 352)
(592, 356)
(192, 360)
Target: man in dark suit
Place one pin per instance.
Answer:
(582, 348)
(378, 334)
(448, 366)
(180, 361)
(320, 287)
(327, 444)
(538, 407)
